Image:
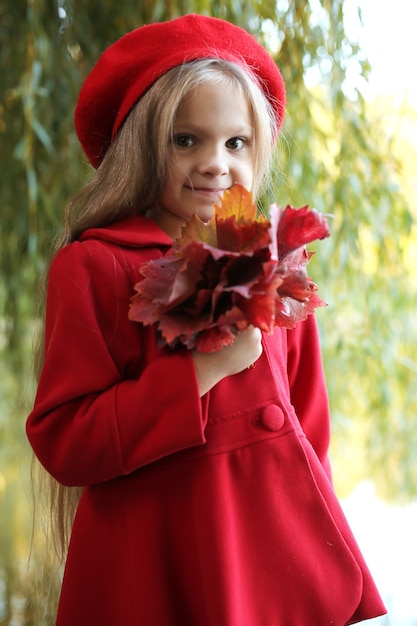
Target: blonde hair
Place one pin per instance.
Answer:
(133, 169)
(130, 178)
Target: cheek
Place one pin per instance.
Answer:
(172, 177)
(178, 171)
(247, 175)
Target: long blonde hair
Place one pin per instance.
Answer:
(133, 169)
(129, 179)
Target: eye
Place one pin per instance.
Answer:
(183, 141)
(236, 143)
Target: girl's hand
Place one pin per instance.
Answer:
(212, 367)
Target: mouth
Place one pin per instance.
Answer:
(209, 192)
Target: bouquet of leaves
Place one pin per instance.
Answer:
(234, 271)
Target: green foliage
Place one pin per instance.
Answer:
(336, 155)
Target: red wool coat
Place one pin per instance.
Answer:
(196, 512)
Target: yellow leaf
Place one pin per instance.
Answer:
(197, 230)
(236, 202)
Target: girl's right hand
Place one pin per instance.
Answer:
(214, 366)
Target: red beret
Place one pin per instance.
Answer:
(127, 69)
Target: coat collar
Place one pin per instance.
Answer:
(137, 232)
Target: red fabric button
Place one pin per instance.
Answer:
(272, 417)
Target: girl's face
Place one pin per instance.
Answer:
(212, 149)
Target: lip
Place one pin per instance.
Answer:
(210, 192)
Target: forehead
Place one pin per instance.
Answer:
(218, 103)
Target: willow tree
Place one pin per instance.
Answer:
(333, 156)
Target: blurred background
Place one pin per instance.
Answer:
(349, 149)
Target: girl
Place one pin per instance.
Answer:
(206, 495)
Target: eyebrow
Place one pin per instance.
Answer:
(188, 127)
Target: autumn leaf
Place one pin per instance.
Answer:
(238, 203)
(298, 227)
(234, 271)
(197, 230)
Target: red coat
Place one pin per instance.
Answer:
(196, 512)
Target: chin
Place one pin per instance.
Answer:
(205, 213)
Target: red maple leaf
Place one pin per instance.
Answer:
(234, 271)
(298, 227)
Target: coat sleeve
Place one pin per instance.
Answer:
(102, 408)
(308, 387)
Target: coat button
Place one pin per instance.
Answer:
(272, 417)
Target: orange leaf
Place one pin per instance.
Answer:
(197, 230)
(236, 202)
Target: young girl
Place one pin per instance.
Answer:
(206, 496)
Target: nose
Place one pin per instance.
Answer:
(213, 161)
